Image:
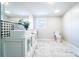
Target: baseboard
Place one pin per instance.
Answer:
(44, 39)
(74, 48)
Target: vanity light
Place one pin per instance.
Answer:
(57, 11)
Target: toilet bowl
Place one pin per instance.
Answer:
(58, 36)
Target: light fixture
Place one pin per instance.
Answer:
(51, 2)
(57, 11)
(7, 12)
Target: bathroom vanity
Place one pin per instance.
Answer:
(20, 44)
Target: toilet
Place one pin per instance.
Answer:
(57, 36)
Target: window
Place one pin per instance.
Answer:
(40, 23)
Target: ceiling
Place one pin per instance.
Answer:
(37, 8)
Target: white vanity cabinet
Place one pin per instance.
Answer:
(13, 47)
(19, 46)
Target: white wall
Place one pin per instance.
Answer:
(52, 24)
(71, 25)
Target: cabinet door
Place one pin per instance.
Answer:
(13, 48)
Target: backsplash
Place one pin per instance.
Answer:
(5, 29)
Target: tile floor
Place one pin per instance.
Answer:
(50, 48)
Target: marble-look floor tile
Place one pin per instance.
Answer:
(52, 49)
